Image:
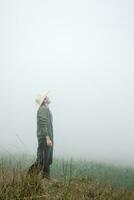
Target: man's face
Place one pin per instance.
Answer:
(47, 100)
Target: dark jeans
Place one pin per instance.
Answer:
(43, 153)
(43, 160)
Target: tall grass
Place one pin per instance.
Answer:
(75, 180)
(64, 169)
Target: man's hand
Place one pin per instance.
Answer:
(49, 142)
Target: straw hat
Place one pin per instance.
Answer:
(40, 98)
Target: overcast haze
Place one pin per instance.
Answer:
(82, 51)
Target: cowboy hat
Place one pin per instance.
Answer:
(40, 98)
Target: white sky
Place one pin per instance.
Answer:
(82, 51)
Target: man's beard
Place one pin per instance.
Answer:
(48, 102)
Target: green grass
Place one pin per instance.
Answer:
(63, 169)
(77, 179)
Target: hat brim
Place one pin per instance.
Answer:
(40, 100)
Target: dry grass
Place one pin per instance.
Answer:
(17, 186)
(74, 180)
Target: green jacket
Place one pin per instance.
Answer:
(44, 122)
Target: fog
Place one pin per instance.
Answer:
(82, 52)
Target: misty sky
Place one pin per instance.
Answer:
(82, 51)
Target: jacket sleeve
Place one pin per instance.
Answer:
(42, 117)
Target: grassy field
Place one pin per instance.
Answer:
(72, 179)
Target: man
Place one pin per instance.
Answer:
(45, 138)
